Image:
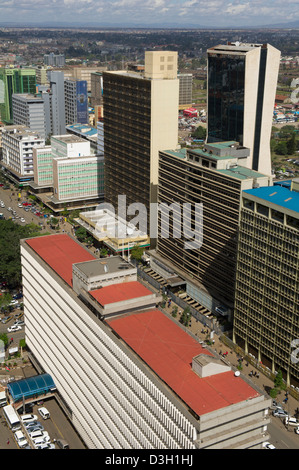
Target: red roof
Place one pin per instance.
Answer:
(168, 350)
(120, 292)
(60, 252)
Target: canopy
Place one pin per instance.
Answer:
(36, 385)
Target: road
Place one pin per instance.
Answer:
(12, 201)
(282, 438)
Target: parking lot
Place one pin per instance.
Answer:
(57, 426)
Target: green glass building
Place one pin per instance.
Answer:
(14, 81)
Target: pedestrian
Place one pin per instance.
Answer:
(7, 441)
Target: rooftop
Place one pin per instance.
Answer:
(60, 252)
(98, 267)
(120, 292)
(278, 195)
(169, 351)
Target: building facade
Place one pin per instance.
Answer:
(17, 148)
(266, 313)
(54, 60)
(96, 83)
(185, 90)
(140, 118)
(29, 110)
(22, 80)
(115, 393)
(214, 177)
(55, 100)
(242, 80)
(76, 101)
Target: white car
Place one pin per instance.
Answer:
(297, 430)
(20, 438)
(22, 219)
(20, 205)
(267, 445)
(13, 328)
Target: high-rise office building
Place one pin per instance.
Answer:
(266, 313)
(12, 81)
(128, 376)
(29, 110)
(96, 83)
(56, 60)
(140, 118)
(242, 80)
(215, 177)
(76, 101)
(55, 100)
(185, 90)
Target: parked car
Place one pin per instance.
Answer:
(27, 418)
(13, 328)
(19, 322)
(297, 430)
(34, 426)
(280, 413)
(20, 438)
(6, 319)
(22, 219)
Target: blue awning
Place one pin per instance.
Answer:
(36, 385)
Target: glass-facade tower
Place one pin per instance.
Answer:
(14, 81)
(226, 98)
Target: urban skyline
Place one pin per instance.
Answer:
(159, 12)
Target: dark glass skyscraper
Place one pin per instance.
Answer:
(242, 80)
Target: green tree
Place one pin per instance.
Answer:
(281, 148)
(136, 253)
(291, 144)
(199, 133)
(4, 338)
(278, 381)
(81, 234)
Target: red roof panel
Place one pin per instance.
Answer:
(60, 252)
(168, 350)
(120, 292)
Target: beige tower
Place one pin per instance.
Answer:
(140, 118)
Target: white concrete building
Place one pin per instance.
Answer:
(29, 110)
(127, 381)
(17, 148)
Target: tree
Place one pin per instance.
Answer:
(4, 338)
(291, 144)
(81, 234)
(281, 148)
(278, 381)
(199, 133)
(136, 253)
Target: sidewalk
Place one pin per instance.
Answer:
(263, 382)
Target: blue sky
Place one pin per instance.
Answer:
(204, 13)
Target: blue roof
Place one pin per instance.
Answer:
(278, 195)
(36, 385)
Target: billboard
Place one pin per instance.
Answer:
(82, 102)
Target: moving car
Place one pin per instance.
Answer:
(44, 412)
(267, 445)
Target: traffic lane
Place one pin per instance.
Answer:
(12, 201)
(280, 436)
(58, 425)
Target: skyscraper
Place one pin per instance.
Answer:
(266, 313)
(140, 118)
(29, 110)
(76, 101)
(14, 81)
(56, 103)
(242, 81)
